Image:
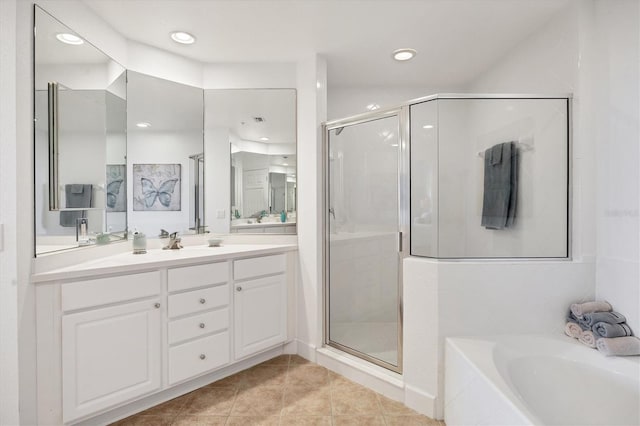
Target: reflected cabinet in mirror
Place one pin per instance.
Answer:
(164, 156)
(250, 147)
(79, 139)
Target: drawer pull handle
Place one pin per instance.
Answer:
(157, 305)
(203, 301)
(201, 325)
(202, 356)
(239, 288)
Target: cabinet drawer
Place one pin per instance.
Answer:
(102, 291)
(198, 276)
(258, 266)
(198, 300)
(198, 325)
(197, 357)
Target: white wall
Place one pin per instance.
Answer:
(312, 109)
(217, 172)
(9, 414)
(616, 129)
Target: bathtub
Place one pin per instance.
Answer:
(538, 380)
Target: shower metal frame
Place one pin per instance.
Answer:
(403, 112)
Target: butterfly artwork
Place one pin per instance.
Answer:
(156, 187)
(113, 189)
(162, 194)
(116, 188)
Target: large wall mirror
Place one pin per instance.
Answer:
(165, 157)
(119, 151)
(250, 147)
(79, 139)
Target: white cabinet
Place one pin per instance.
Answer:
(106, 342)
(198, 327)
(110, 355)
(260, 310)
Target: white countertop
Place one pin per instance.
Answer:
(158, 258)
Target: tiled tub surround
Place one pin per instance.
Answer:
(286, 390)
(538, 380)
(122, 333)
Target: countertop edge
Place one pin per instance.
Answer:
(88, 271)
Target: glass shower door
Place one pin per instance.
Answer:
(363, 240)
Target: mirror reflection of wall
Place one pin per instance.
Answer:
(90, 128)
(254, 191)
(164, 149)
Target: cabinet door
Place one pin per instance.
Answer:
(110, 356)
(259, 314)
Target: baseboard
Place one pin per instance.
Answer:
(422, 402)
(291, 347)
(306, 350)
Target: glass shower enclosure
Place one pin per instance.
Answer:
(447, 177)
(364, 239)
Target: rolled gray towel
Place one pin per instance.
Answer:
(572, 318)
(605, 329)
(611, 317)
(588, 338)
(621, 346)
(579, 309)
(572, 329)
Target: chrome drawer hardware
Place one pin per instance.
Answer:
(202, 356)
(157, 305)
(239, 288)
(203, 301)
(201, 325)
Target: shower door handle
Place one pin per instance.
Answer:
(400, 241)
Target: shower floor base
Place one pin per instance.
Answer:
(376, 339)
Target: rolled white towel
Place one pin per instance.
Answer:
(588, 338)
(579, 309)
(572, 329)
(622, 346)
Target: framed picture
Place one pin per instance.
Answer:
(156, 187)
(116, 188)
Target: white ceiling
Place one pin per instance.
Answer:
(455, 39)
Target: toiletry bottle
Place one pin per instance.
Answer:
(283, 216)
(139, 243)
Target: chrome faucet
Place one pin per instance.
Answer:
(174, 242)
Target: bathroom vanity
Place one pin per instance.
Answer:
(125, 327)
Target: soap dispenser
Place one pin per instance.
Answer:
(139, 243)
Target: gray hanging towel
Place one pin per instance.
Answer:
(513, 196)
(77, 195)
(500, 186)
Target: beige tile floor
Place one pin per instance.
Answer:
(286, 390)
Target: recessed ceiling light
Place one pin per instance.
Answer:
(264, 138)
(69, 38)
(373, 107)
(394, 144)
(404, 54)
(285, 164)
(143, 124)
(428, 126)
(182, 37)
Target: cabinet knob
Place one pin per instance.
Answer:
(157, 305)
(239, 288)
(203, 301)
(201, 325)
(202, 356)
